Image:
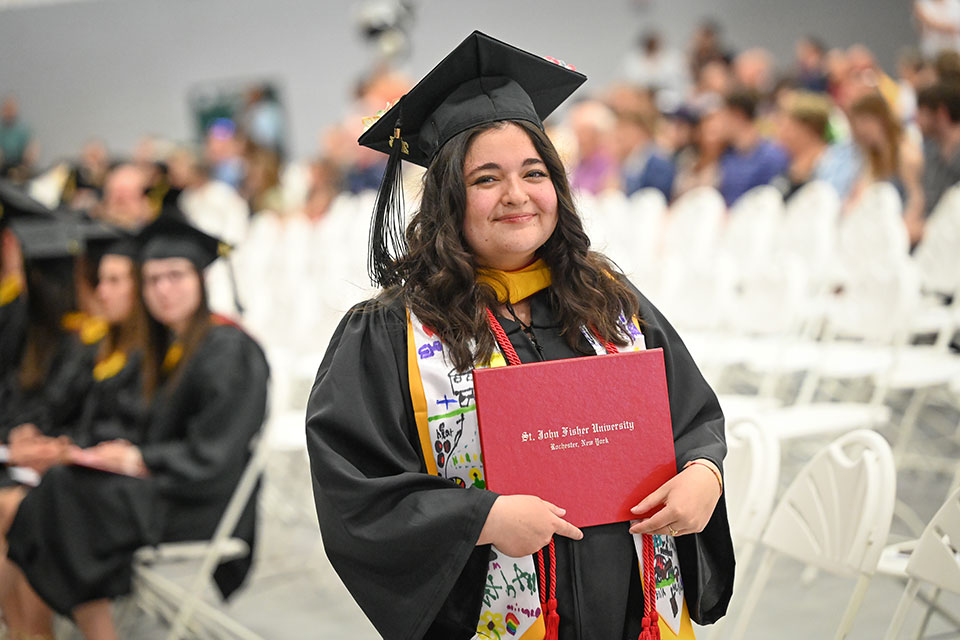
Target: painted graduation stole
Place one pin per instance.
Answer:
(445, 410)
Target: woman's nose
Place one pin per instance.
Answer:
(515, 192)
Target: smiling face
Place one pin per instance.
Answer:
(511, 204)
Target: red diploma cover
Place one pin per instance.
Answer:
(592, 435)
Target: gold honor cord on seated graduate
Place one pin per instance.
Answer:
(445, 411)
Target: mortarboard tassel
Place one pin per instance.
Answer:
(387, 241)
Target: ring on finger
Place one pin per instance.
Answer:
(673, 532)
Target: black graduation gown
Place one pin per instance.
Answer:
(114, 408)
(75, 534)
(57, 402)
(404, 542)
(13, 329)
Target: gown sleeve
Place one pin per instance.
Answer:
(402, 541)
(221, 401)
(706, 559)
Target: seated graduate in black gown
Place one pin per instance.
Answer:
(115, 406)
(496, 244)
(72, 542)
(111, 396)
(13, 304)
(43, 391)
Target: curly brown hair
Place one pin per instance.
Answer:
(437, 275)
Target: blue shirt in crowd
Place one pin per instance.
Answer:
(648, 168)
(741, 171)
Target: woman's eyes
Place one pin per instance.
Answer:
(534, 173)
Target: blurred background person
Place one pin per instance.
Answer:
(698, 165)
(125, 200)
(706, 46)
(802, 132)
(939, 24)
(593, 123)
(86, 179)
(750, 160)
(889, 157)
(650, 63)
(223, 152)
(261, 184)
(809, 65)
(263, 120)
(642, 164)
(18, 151)
(940, 123)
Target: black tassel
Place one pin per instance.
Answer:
(387, 242)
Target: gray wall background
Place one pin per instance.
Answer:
(117, 69)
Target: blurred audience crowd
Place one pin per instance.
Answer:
(85, 329)
(709, 115)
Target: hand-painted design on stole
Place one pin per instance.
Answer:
(511, 599)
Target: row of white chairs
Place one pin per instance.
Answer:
(835, 517)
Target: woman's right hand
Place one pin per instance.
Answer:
(520, 525)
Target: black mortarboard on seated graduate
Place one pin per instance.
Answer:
(15, 203)
(171, 235)
(43, 235)
(483, 80)
(102, 239)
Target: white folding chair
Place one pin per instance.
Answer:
(754, 223)
(693, 225)
(183, 607)
(834, 516)
(935, 560)
(751, 475)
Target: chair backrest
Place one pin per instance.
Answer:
(693, 225)
(809, 229)
(936, 558)
(938, 254)
(876, 304)
(873, 232)
(609, 217)
(751, 473)
(750, 235)
(836, 513)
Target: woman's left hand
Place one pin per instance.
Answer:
(688, 501)
(119, 456)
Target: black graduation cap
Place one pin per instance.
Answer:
(43, 234)
(483, 80)
(15, 203)
(171, 235)
(43, 238)
(101, 239)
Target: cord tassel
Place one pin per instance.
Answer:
(651, 623)
(387, 242)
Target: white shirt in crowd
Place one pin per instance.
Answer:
(947, 12)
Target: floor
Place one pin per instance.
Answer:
(294, 594)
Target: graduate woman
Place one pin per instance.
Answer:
(495, 264)
(110, 394)
(72, 542)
